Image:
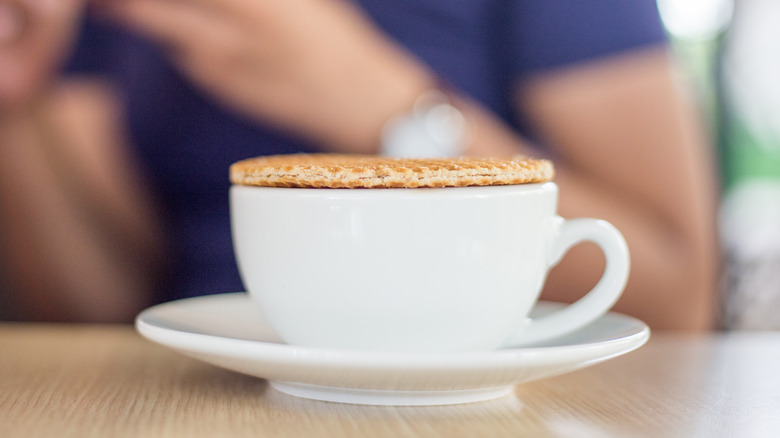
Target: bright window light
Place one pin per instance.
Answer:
(695, 19)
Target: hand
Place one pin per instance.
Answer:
(34, 37)
(316, 67)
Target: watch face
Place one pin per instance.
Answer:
(434, 128)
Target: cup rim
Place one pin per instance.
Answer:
(547, 186)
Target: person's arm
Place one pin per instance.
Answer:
(629, 148)
(78, 239)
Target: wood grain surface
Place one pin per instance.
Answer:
(106, 381)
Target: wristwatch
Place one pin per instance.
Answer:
(433, 128)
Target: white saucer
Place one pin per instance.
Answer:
(230, 331)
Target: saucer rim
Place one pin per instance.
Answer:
(269, 351)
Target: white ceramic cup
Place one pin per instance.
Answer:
(414, 270)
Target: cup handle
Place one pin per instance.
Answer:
(596, 302)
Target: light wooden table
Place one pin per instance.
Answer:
(106, 381)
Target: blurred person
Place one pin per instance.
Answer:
(113, 178)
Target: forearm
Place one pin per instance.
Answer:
(630, 148)
(673, 267)
(68, 257)
(673, 261)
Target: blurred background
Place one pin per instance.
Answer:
(729, 54)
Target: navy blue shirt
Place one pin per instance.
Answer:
(186, 141)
